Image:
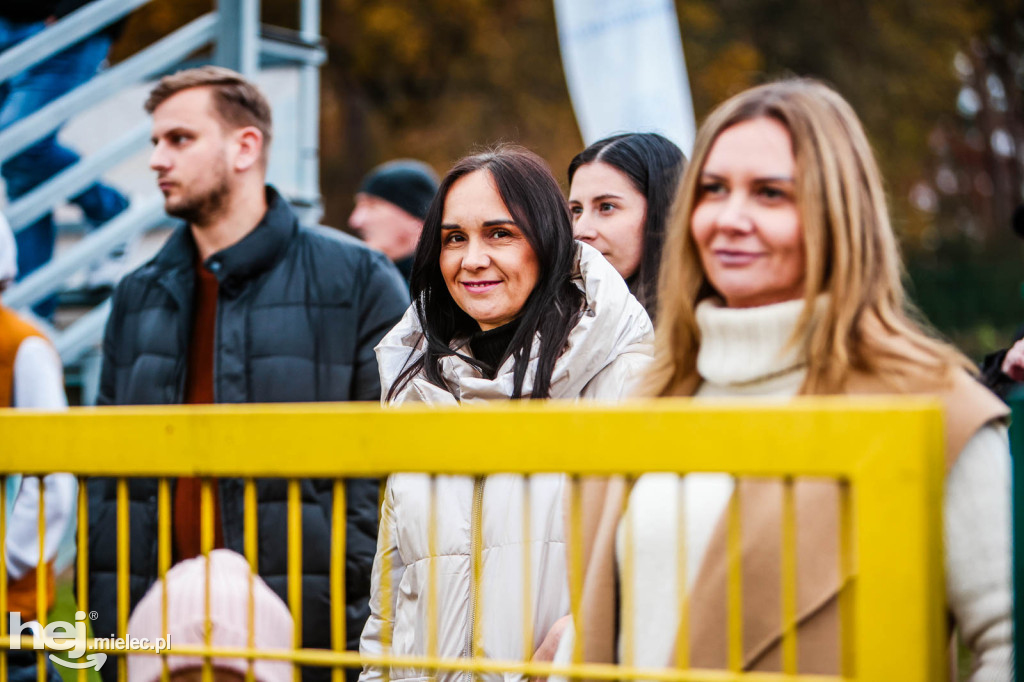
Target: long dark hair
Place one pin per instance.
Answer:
(538, 208)
(653, 164)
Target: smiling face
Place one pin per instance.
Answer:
(192, 155)
(487, 263)
(608, 213)
(745, 221)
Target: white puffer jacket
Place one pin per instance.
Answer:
(608, 351)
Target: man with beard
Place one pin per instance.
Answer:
(241, 305)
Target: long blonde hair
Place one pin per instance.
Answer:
(851, 253)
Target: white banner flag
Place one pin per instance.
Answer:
(624, 65)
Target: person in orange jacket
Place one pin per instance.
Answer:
(31, 377)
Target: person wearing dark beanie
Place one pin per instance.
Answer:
(390, 206)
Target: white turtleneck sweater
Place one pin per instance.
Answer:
(744, 354)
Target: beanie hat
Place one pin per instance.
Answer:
(8, 251)
(408, 184)
(229, 618)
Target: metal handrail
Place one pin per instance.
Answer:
(69, 30)
(76, 178)
(312, 55)
(136, 219)
(170, 50)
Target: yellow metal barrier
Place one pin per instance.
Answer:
(887, 453)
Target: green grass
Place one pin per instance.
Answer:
(64, 608)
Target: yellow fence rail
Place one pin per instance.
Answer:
(887, 453)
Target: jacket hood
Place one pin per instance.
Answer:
(613, 322)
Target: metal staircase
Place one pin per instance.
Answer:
(230, 35)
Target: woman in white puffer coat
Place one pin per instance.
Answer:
(506, 305)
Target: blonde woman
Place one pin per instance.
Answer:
(782, 277)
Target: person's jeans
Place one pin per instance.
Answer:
(22, 96)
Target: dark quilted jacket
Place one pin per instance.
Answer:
(299, 312)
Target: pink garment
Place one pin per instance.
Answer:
(229, 609)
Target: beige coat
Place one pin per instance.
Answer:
(969, 406)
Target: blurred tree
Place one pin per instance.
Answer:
(970, 277)
(937, 83)
(153, 21)
(977, 168)
(434, 79)
(938, 86)
(890, 58)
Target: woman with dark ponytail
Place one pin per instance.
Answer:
(620, 195)
(506, 305)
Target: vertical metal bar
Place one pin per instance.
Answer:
(91, 368)
(576, 566)
(249, 525)
(432, 600)
(163, 503)
(735, 582)
(309, 21)
(627, 583)
(309, 110)
(527, 572)
(123, 594)
(848, 586)
(238, 26)
(42, 579)
(206, 520)
(82, 560)
(894, 501)
(338, 635)
(3, 571)
(250, 624)
(295, 566)
(206, 537)
(789, 657)
(207, 666)
(387, 617)
(476, 612)
(682, 583)
(249, 528)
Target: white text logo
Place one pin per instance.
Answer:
(71, 637)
